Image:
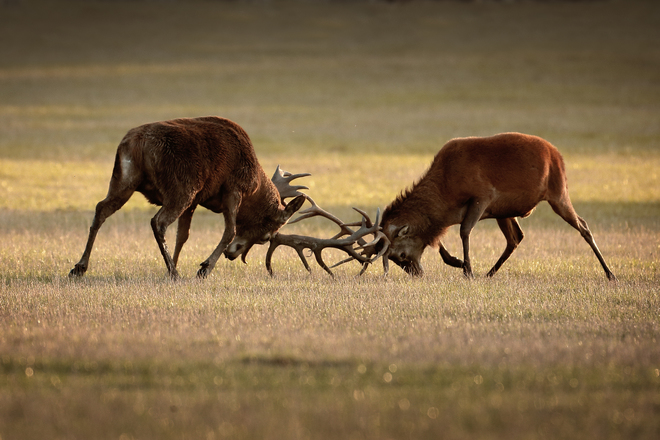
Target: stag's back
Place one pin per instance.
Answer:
(512, 171)
(203, 155)
(510, 164)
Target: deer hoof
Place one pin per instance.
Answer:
(204, 271)
(77, 271)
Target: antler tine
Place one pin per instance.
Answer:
(282, 180)
(316, 210)
(365, 216)
(386, 265)
(366, 222)
(289, 240)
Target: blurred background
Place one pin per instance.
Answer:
(360, 93)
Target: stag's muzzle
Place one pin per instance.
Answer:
(411, 267)
(236, 249)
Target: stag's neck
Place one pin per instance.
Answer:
(423, 208)
(265, 199)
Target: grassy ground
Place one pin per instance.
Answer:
(361, 95)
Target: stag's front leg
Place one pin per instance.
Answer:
(513, 234)
(448, 258)
(231, 203)
(227, 237)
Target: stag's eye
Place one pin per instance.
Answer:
(402, 256)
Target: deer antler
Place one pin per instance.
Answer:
(282, 181)
(371, 248)
(316, 245)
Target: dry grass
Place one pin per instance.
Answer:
(361, 95)
(548, 348)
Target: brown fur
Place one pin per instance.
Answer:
(471, 179)
(182, 163)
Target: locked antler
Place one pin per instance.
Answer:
(378, 246)
(344, 240)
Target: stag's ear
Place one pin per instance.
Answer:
(293, 206)
(403, 231)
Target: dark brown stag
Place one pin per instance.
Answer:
(471, 179)
(184, 163)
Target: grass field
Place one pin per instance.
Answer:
(362, 95)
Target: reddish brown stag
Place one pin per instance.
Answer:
(185, 163)
(471, 179)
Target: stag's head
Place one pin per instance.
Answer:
(405, 248)
(257, 223)
(406, 244)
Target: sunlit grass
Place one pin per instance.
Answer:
(337, 180)
(614, 178)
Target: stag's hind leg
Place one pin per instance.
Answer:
(159, 223)
(513, 234)
(118, 194)
(565, 210)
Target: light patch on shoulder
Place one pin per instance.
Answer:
(126, 166)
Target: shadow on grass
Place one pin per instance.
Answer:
(292, 361)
